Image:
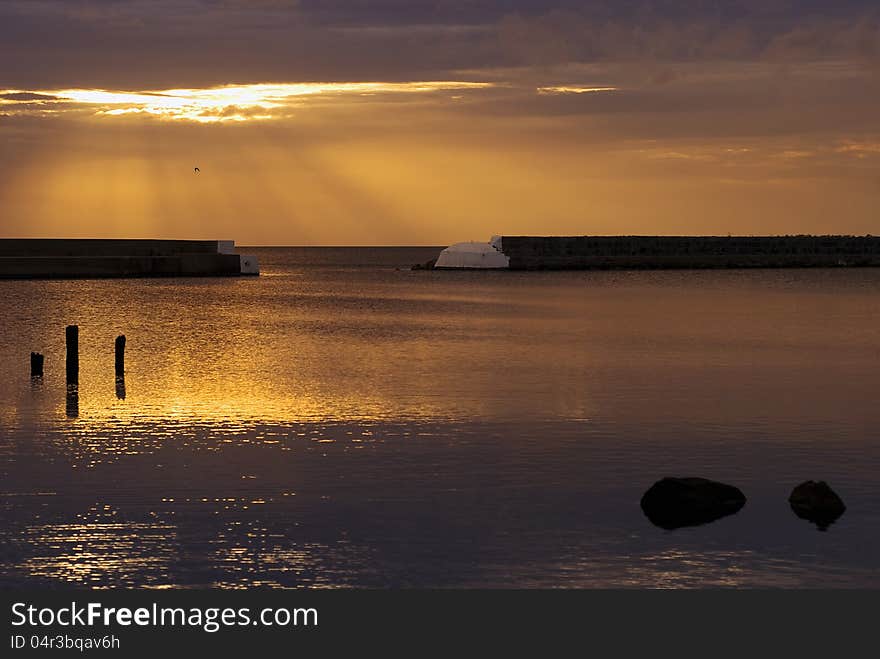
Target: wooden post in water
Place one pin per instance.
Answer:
(120, 367)
(36, 365)
(120, 356)
(72, 342)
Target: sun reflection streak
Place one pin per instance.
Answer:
(100, 553)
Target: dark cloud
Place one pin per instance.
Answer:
(27, 96)
(162, 43)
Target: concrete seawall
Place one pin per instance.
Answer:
(660, 252)
(77, 259)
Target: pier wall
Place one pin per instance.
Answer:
(72, 259)
(658, 252)
(88, 247)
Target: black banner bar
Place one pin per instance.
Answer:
(598, 623)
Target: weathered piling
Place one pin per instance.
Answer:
(72, 343)
(36, 365)
(120, 356)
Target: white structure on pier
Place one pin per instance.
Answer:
(474, 256)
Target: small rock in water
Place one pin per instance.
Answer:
(816, 502)
(671, 503)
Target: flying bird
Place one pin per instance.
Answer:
(196, 170)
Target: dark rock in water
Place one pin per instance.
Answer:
(671, 503)
(816, 502)
(427, 265)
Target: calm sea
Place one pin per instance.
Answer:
(340, 422)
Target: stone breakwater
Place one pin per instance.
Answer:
(86, 258)
(659, 252)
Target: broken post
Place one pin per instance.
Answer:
(72, 342)
(36, 365)
(120, 356)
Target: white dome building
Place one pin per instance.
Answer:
(474, 256)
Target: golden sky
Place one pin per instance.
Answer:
(435, 122)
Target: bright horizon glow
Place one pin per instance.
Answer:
(215, 104)
(575, 89)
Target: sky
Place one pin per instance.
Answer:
(407, 122)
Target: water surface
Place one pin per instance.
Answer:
(342, 421)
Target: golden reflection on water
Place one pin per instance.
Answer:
(89, 444)
(680, 568)
(291, 431)
(287, 350)
(260, 554)
(102, 551)
(102, 554)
